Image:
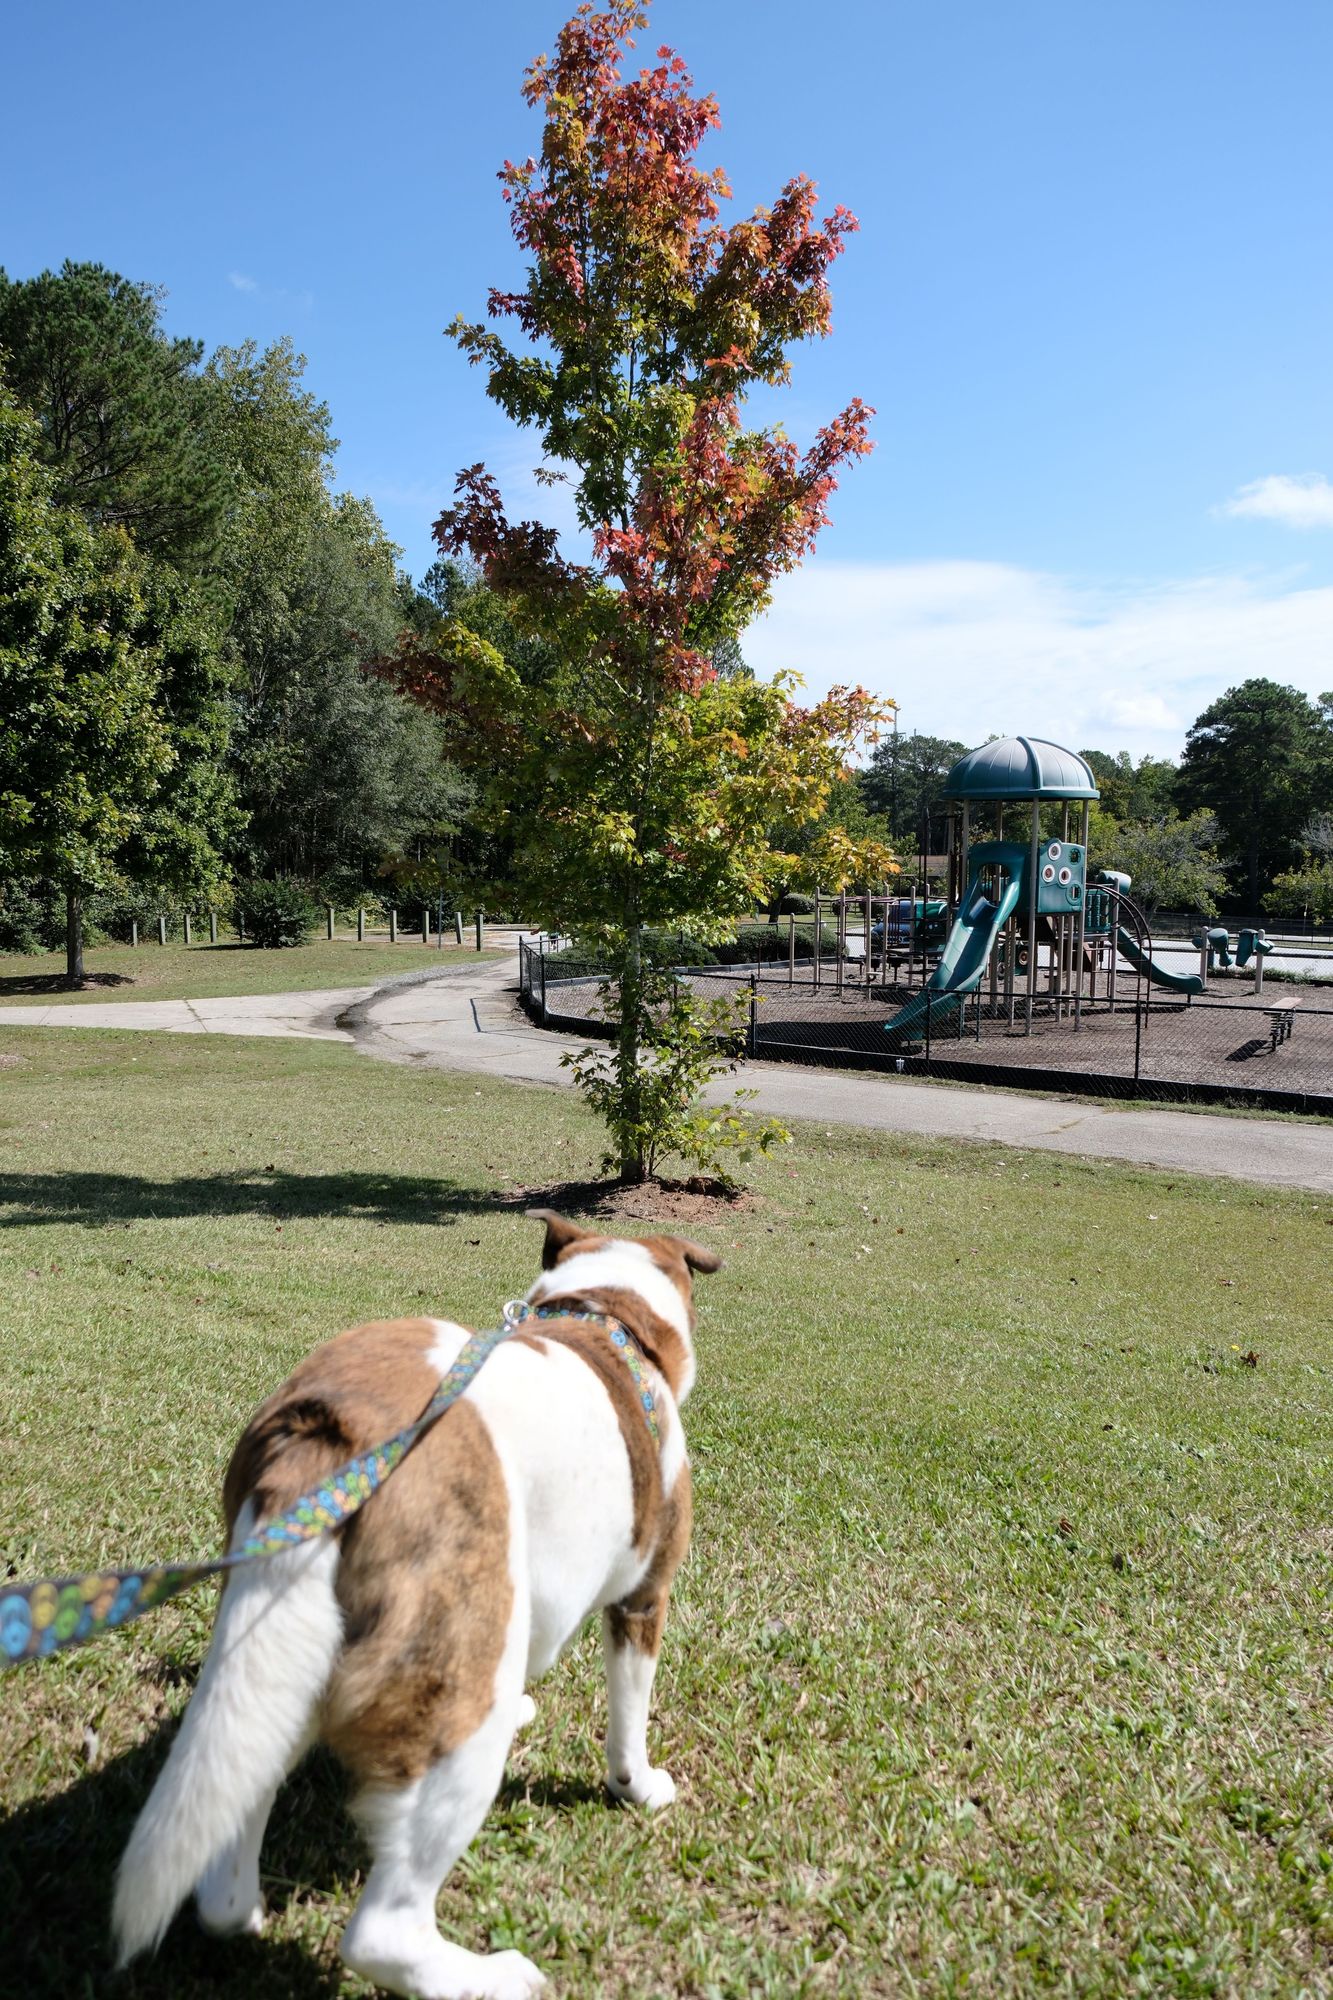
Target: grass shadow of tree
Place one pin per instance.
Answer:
(54, 985)
(94, 1200)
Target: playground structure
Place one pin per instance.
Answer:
(1023, 918)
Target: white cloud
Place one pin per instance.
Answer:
(1296, 500)
(974, 648)
(240, 283)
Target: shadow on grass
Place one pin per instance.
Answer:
(16, 985)
(58, 1859)
(97, 1200)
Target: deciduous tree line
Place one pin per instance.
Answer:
(187, 608)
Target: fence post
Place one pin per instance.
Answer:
(240, 930)
(791, 948)
(478, 930)
(425, 923)
(1138, 1025)
(186, 921)
(458, 927)
(161, 929)
(929, 997)
(393, 927)
(360, 925)
(134, 931)
(543, 965)
(819, 939)
(212, 927)
(754, 1013)
(328, 907)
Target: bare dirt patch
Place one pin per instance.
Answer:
(11, 1061)
(701, 1198)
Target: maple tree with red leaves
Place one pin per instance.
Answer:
(637, 788)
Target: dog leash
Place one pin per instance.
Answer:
(41, 1618)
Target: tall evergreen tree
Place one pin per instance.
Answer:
(123, 412)
(1253, 759)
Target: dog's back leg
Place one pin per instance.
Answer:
(417, 1832)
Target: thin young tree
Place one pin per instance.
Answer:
(640, 786)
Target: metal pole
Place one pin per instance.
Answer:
(791, 947)
(818, 939)
(1033, 868)
(1082, 927)
(543, 964)
(754, 1013)
(841, 936)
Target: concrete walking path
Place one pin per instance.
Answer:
(466, 1019)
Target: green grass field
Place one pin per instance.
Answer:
(216, 972)
(1001, 1662)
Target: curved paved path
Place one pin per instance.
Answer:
(465, 1018)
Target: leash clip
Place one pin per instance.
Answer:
(515, 1312)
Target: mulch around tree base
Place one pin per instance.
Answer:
(701, 1198)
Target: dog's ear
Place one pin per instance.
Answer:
(560, 1233)
(696, 1256)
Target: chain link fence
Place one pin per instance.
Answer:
(1271, 1052)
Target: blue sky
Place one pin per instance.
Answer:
(1091, 299)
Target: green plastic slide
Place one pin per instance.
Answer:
(1178, 982)
(962, 962)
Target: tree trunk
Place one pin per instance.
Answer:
(73, 938)
(632, 1163)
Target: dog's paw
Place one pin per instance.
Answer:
(510, 1976)
(652, 1789)
(228, 1920)
(527, 1711)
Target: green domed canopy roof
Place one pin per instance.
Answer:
(1020, 767)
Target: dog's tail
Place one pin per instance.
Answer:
(276, 1640)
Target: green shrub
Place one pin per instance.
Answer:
(275, 913)
(29, 918)
(794, 905)
(755, 943)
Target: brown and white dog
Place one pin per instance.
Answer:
(405, 1640)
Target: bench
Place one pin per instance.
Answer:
(1281, 1015)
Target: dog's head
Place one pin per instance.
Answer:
(645, 1282)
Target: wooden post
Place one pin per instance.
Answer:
(458, 927)
(479, 927)
(393, 927)
(212, 927)
(134, 932)
(186, 921)
(240, 930)
(360, 925)
(161, 929)
(328, 907)
(425, 923)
